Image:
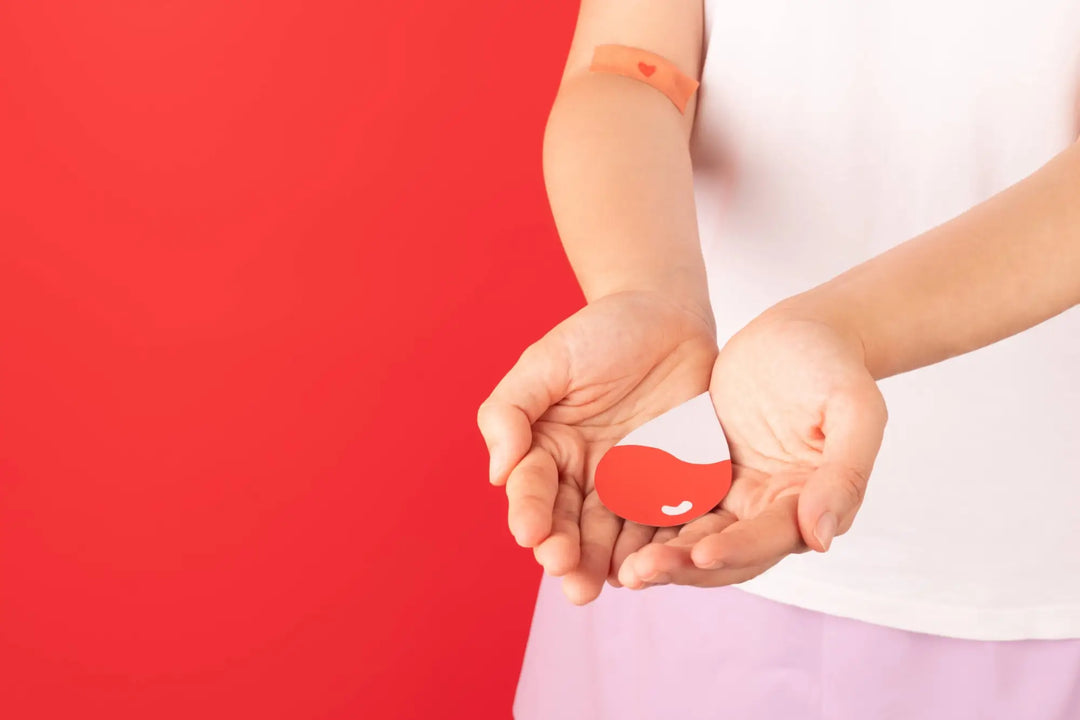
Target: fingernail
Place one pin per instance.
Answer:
(714, 565)
(826, 529)
(493, 467)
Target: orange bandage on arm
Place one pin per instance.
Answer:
(647, 67)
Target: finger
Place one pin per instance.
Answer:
(599, 528)
(649, 535)
(708, 524)
(560, 552)
(662, 536)
(632, 538)
(832, 496)
(538, 380)
(672, 565)
(763, 539)
(652, 565)
(854, 425)
(697, 577)
(665, 534)
(530, 491)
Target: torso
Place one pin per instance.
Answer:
(828, 132)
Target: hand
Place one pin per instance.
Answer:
(804, 420)
(613, 365)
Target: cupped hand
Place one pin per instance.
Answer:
(804, 420)
(618, 362)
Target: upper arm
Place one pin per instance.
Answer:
(673, 29)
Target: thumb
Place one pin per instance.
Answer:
(538, 380)
(853, 425)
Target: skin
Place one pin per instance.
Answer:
(804, 420)
(610, 367)
(794, 390)
(1001, 267)
(619, 179)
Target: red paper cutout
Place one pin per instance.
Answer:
(669, 470)
(652, 487)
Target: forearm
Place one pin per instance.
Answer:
(1000, 268)
(619, 179)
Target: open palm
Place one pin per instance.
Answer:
(613, 365)
(804, 420)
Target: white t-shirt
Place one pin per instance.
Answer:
(830, 131)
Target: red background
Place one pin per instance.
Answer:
(259, 264)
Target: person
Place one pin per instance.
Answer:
(856, 191)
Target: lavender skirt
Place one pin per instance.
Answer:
(676, 653)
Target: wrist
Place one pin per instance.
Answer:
(841, 319)
(695, 304)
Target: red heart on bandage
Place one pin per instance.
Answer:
(646, 70)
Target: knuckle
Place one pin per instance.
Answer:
(852, 487)
(484, 416)
(533, 352)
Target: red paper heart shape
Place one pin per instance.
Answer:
(645, 69)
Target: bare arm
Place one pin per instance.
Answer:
(997, 269)
(617, 167)
(617, 162)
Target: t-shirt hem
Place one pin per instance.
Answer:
(966, 622)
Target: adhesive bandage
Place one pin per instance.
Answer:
(649, 68)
